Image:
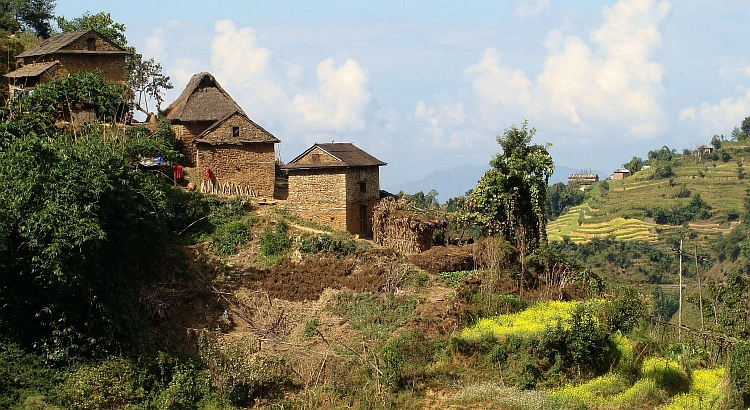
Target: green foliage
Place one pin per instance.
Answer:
(240, 372)
(405, 359)
(739, 375)
(634, 165)
(81, 228)
(311, 327)
(24, 375)
(376, 316)
(101, 22)
(56, 98)
(623, 312)
(510, 197)
(113, 383)
(228, 237)
(422, 200)
(27, 15)
(561, 197)
(665, 303)
(453, 279)
(274, 241)
(696, 209)
(339, 244)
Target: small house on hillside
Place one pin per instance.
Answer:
(68, 53)
(621, 173)
(583, 180)
(240, 154)
(337, 185)
(201, 105)
(231, 153)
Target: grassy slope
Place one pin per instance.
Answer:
(621, 212)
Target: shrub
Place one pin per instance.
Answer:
(113, 383)
(227, 237)
(739, 374)
(23, 375)
(275, 242)
(338, 244)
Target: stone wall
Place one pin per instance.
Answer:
(248, 131)
(323, 157)
(319, 196)
(112, 67)
(184, 133)
(334, 197)
(83, 44)
(248, 165)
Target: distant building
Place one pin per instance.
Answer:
(68, 53)
(582, 180)
(621, 173)
(336, 185)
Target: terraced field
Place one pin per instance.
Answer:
(621, 210)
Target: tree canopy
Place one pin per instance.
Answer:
(27, 15)
(510, 198)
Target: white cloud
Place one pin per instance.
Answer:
(237, 55)
(524, 9)
(442, 125)
(339, 102)
(608, 83)
(718, 118)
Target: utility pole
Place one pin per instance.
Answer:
(679, 315)
(700, 292)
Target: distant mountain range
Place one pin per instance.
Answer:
(450, 183)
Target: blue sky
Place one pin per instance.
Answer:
(427, 85)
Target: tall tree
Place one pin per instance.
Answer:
(144, 76)
(27, 15)
(634, 165)
(510, 198)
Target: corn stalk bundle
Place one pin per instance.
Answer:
(395, 226)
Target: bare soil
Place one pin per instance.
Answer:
(445, 259)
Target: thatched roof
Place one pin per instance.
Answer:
(202, 100)
(31, 70)
(347, 154)
(57, 43)
(250, 133)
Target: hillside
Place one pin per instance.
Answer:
(619, 208)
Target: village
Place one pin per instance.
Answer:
(204, 272)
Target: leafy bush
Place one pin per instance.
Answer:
(739, 374)
(453, 279)
(275, 241)
(23, 375)
(227, 237)
(339, 244)
(405, 359)
(112, 383)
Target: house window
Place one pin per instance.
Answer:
(315, 158)
(91, 44)
(235, 132)
(362, 181)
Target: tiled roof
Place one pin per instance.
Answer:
(31, 70)
(347, 153)
(55, 43)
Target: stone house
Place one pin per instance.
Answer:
(621, 173)
(240, 153)
(68, 53)
(218, 139)
(201, 105)
(337, 185)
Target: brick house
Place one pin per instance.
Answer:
(238, 152)
(68, 53)
(337, 185)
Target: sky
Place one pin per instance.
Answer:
(428, 85)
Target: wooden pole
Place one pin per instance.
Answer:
(679, 309)
(700, 292)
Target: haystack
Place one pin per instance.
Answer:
(395, 225)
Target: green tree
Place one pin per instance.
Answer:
(716, 141)
(561, 197)
(634, 165)
(144, 76)
(82, 227)
(745, 127)
(510, 198)
(27, 15)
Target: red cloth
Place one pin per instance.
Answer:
(177, 171)
(208, 174)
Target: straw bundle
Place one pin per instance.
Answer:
(395, 226)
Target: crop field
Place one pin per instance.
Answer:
(620, 211)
